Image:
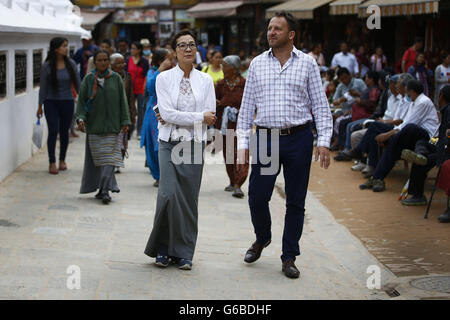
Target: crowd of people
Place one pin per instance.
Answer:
(382, 116)
(166, 93)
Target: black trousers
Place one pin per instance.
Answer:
(342, 131)
(295, 153)
(369, 145)
(405, 139)
(58, 114)
(419, 173)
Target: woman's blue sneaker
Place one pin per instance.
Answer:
(162, 261)
(184, 264)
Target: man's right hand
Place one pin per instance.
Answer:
(209, 118)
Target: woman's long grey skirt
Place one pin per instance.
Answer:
(97, 177)
(175, 225)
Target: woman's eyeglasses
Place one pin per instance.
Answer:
(183, 45)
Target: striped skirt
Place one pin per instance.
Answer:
(106, 149)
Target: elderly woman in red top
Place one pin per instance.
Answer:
(138, 67)
(229, 93)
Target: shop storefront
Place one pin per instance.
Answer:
(166, 25)
(230, 25)
(330, 22)
(136, 24)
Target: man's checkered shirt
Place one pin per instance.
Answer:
(284, 97)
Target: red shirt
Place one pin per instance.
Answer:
(137, 76)
(410, 57)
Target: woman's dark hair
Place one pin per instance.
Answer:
(213, 53)
(159, 56)
(315, 45)
(418, 54)
(330, 73)
(416, 86)
(97, 52)
(180, 34)
(342, 71)
(445, 92)
(107, 41)
(55, 43)
(373, 75)
(292, 22)
(418, 40)
(138, 46)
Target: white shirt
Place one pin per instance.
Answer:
(284, 97)
(392, 105)
(441, 77)
(167, 91)
(347, 60)
(403, 107)
(422, 113)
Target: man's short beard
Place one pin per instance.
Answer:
(280, 44)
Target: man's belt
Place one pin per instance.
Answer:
(286, 132)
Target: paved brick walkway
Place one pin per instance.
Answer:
(46, 226)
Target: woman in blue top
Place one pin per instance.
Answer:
(421, 72)
(59, 85)
(161, 61)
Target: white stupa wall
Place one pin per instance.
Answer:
(27, 26)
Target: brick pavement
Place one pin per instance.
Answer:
(46, 226)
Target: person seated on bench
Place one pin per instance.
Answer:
(421, 122)
(426, 155)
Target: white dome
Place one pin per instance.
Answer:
(46, 16)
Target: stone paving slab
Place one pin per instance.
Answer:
(57, 227)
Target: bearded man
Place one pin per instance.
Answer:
(284, 88)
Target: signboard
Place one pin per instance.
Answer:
(165, 29)
(136, 16)
(87, 2)
(181, 16)
(112, 3)
(130, 3)
(166, 15)
(134, 3)
(184, 2)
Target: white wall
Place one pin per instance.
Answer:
(18, 112)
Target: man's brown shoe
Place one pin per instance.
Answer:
(254, 252)
(289, 269)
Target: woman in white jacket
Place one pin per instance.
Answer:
(187, 104)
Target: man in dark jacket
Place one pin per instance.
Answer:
(427, 155)
(83, 54)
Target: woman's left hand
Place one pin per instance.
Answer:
(125, 129)
(158, 116)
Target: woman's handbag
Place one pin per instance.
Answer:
(37, 133)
